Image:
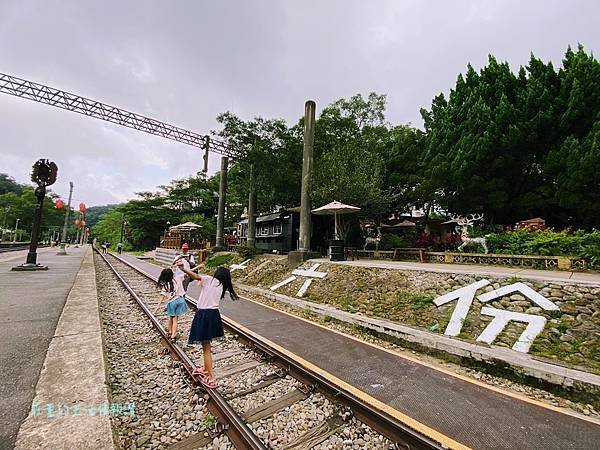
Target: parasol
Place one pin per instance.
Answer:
(334, 208)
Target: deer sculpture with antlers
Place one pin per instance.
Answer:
(373, 240)
(464, 223)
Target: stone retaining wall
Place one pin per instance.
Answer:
(570, 336)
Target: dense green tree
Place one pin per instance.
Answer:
(8, 184)
(108, 229)
(351, 138)
(275, 150)
(515, 145)
(21, 205)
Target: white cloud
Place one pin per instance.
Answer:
(186, 62)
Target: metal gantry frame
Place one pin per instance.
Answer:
(71, 102)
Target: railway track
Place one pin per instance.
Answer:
(285, 386)
(13, 249)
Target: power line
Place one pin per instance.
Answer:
(82, 105)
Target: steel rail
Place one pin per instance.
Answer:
(390, 427)
(238, 431)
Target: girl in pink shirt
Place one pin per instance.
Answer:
(207, 323)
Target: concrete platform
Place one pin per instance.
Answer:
(474, 269)
(451, 408)
(521, 363)
(71, 408)
(30, 305)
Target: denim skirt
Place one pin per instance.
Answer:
(176, 307)
(206, 326)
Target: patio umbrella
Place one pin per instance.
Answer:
(334, 208)
(186, 226)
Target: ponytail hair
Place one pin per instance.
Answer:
(224, 276)
(165, 280)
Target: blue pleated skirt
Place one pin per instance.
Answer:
(206, 326)
(176, 307)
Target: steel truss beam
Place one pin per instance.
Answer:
(76, 103)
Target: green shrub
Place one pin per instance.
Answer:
(218, 260)
(391, 241)
(246, 252)
(548, 243)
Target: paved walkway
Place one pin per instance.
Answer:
(474, 269)
(71, 409)
(30, 305)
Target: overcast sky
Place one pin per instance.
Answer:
(184, 62)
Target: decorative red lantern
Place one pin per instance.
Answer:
(82, 208)
(59, 204)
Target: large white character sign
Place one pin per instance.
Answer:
(310, 274)
(240, 266)
(535, 325)
(464, 299)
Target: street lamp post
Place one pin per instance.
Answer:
(16, 229)
(44, 174)
(123, 223)
(63, 242)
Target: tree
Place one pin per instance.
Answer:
(8, 184)
(94, 213)
(494, 146)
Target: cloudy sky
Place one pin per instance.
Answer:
(184, 62)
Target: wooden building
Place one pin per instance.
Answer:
(537, 223)
(279, 232)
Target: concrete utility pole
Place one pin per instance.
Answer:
(222, 196)
(307, 168)
(251, 242)
(63, 250)
(303, 253)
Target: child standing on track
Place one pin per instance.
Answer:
(171, 287)
(207, 321)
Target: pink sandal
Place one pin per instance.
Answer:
(199, 371)
(209, 383)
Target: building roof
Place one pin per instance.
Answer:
(266, 218)
(534, 220)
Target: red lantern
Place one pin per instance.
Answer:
(59, 204)
(82, 207)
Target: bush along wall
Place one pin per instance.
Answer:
(571, 334)
(583, 244)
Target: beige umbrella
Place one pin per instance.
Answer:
(334, 208)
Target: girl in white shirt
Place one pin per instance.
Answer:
(207, 323)
(172, 290)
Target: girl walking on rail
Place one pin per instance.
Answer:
(172, 290)
(207, 323)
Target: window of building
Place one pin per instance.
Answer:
(277, 228)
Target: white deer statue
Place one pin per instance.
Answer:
(464, 223)
(373, 240)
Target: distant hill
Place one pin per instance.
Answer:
(94, 213)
